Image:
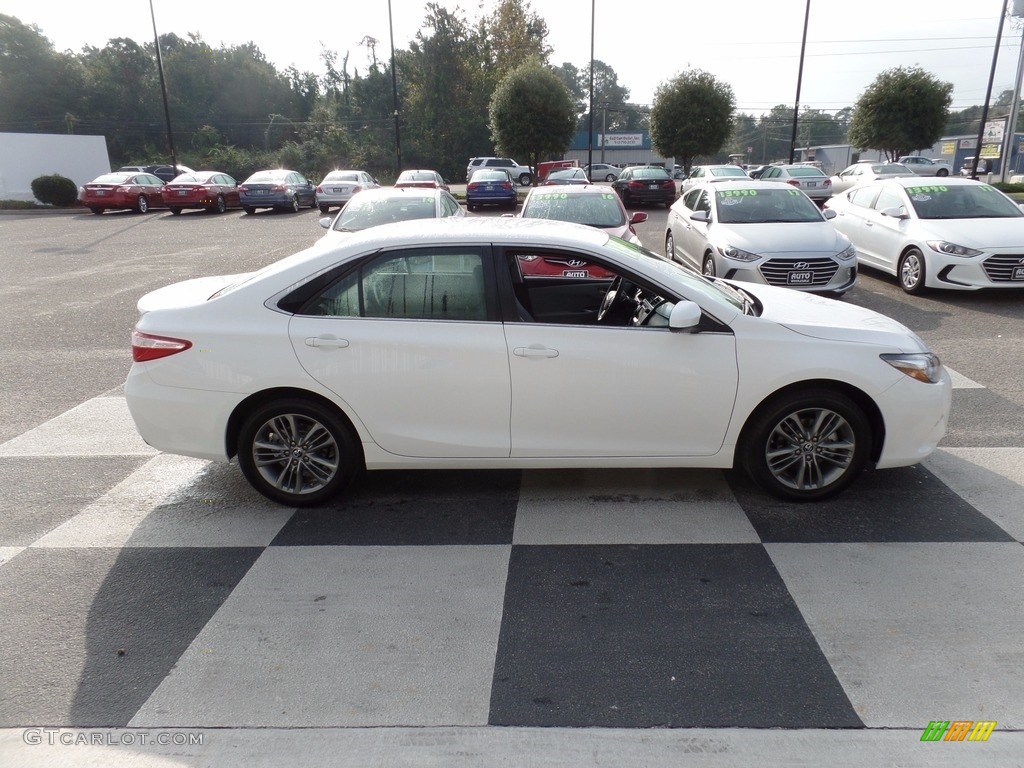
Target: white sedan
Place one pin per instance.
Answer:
(421, 345)
(951, 233)
(925, 166)
(760, 232)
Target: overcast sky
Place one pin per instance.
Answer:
(753, 45)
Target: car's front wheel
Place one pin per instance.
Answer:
(707, 267)
(298, 452)
(912, 271)
(806, 445)
(670, 246)
(525, 179)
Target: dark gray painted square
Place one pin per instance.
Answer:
(682, 636)
(102, 627)
(413, 508)
(42, 492)
(890, 505)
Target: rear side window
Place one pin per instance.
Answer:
(439, 284)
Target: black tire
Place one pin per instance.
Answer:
(324, 208)
(610, 177)
(249, 209)
(176, 211)
(221, 205)
(806, 445)
(298, 452)
(470, 206)
(942, 172)
(670, 246)
(141, 204)
(911, 272)
(707, 266)
(525, 179)
(97, 211)
(294, 206)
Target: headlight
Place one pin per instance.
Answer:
(923, 366)
(849, 253)
(735, 253)
(944, 246)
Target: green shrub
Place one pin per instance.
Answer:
(55, 190)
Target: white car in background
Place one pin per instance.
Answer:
(386, 205)
(860, 173)
(421, 345)
(925, 166)
(760, 232)
(951, 233)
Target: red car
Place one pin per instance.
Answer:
(122, 191)
(430, 179)
(213, 191)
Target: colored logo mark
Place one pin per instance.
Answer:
(958, 730)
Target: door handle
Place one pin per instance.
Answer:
(328, 342)
(535, 350)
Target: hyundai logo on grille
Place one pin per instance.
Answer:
(802, 265)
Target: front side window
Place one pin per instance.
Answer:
(434, 284)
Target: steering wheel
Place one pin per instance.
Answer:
(615, 298)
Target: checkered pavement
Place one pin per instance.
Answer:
(142, 590)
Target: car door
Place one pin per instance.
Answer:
(855, 220)
(883, 236)
(618, 391)
(694, 234)
(406, 341)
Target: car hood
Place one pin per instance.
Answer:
(824, 318)
(767, 239)
(975, 233)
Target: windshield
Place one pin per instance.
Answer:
(762, 206)
(595, 210)
(370, 212)
(729, 171)
(941, 201)
(342, 177)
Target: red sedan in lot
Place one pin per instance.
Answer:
(421, 178)
(213, 191)
(122, 191)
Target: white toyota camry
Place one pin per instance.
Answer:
(425, 344)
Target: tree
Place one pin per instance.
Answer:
(692, 115)
(532, 114)
(903, 110)
(514, 35)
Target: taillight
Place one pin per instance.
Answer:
(794, 182)
(671, 184)
(145, 346)
(506, 185)
(827, 183)
(242, 188)
(636, 185)
(319, 190)
(473, 185)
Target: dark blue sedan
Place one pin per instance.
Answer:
(279, 188)
(491, 186)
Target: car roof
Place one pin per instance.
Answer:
(718, 186)
(572, 189)
(927, 181)
(395, 192)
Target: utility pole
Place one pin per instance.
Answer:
(163, 89)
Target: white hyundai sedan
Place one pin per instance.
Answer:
(424, 345)
(952, 233)
(760, 232)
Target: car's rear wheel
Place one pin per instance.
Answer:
(248, 209)
(525, 179)
(942, 172)
(806, 445)
(470, 206)
(707, 267)
(324, 208)
(610, 177)
(912, 271)
(98, 211)
(176, 211)
(141, 204)
(298, 452)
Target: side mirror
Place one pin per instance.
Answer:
(325, 221)
(638, 218)
(829, 213)
(895, 212)
(685, 316)
(700, 216)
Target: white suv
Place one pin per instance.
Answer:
(521, 173)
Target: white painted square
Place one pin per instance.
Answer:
(345, 636)
(101, 426)
(989, 479)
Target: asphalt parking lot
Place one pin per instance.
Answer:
(579, 618)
